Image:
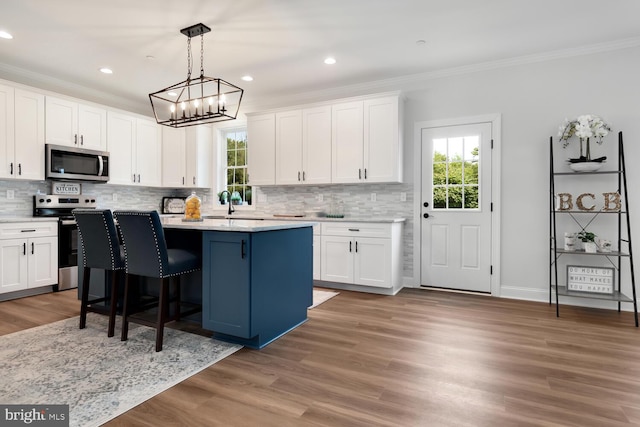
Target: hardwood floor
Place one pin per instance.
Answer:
(421, 358)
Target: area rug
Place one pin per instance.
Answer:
(98, 377)
(320, 296)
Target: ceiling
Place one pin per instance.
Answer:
(60, 45)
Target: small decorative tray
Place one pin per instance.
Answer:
(335, 216)
(192, 219)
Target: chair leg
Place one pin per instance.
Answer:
(114, 302)
(85, 297)
(125, 309)
(163, 307)
(177, 315)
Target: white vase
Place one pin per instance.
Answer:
(590, 247)
(570, 241)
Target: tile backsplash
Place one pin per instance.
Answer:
(355, 201)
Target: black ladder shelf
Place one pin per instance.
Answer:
(615, 258)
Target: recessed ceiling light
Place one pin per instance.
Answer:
(330, 61)
(150, 57)
(106, 70)
(421, 42)
(247, 78)
(5, 35)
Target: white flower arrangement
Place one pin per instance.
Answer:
(584, 127)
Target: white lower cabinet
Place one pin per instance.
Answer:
(367, 254)
(28, 255)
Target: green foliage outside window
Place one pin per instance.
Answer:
(237, 174)
(455, 181)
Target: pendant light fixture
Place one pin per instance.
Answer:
(196, 101)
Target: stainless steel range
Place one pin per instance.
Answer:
(60, 206)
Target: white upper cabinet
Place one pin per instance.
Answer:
(187, 157)
(148, 153)
(29, 135)
(261, 143)
(347, 142)
(199, 156)
(316, 145)
(121, 135)
(74, 124)
(303, 146)
(382, 141)
(367, 141)
(174, 161)
(135, 150)
(288, 147)
(7, 127)
(21, 135)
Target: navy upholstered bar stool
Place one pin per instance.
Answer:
(102, 249)
(147, 255)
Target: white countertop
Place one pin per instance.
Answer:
(242, 225)
(9, 219)
(266, 217)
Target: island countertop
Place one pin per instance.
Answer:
(241, 225)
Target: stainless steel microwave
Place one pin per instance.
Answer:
(76, 164)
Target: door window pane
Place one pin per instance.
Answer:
(456, 164)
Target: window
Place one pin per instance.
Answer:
(455, 173)
(236, 167)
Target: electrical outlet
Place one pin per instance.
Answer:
(403, 197)
(373, 197)
(320, 197)
(114, 197)
(10, 194)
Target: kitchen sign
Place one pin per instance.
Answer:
(599, 280)
(66, 188)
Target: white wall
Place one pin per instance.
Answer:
(533, 100)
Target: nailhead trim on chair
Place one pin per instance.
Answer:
(155, 238)
(104, 221)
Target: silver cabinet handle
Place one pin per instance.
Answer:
(359, 173)
(75, 139)
(81, 139)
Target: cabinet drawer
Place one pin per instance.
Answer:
(356, 229)
(13, 230)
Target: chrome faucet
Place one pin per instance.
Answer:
(231, 209)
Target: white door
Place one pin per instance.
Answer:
(13, 265)
(43, 261)
(372, 262)
(456, 207)
(337, 259)
(347, 139)
(121, 136)
(29, 135)
(316, 145)
(289, 147)
(148, 153)
(92, 127)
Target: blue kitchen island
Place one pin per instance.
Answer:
(257, 276)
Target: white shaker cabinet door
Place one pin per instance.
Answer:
(13, 265)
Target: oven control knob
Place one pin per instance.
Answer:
(86, 200)
(48, 200)
(41, 200)
(93, 200)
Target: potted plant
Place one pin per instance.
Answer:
(588, 241)
(584, 127)
(236, 199)
(222, 198)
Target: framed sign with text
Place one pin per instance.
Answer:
(70, 188)
(599, 280)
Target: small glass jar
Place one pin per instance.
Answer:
(192, 208)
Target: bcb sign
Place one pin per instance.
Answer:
(587, 202)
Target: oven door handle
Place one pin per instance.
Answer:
(100, 165)
(68, 222)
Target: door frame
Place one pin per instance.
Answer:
(496, 135)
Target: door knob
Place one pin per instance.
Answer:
(425, 215)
